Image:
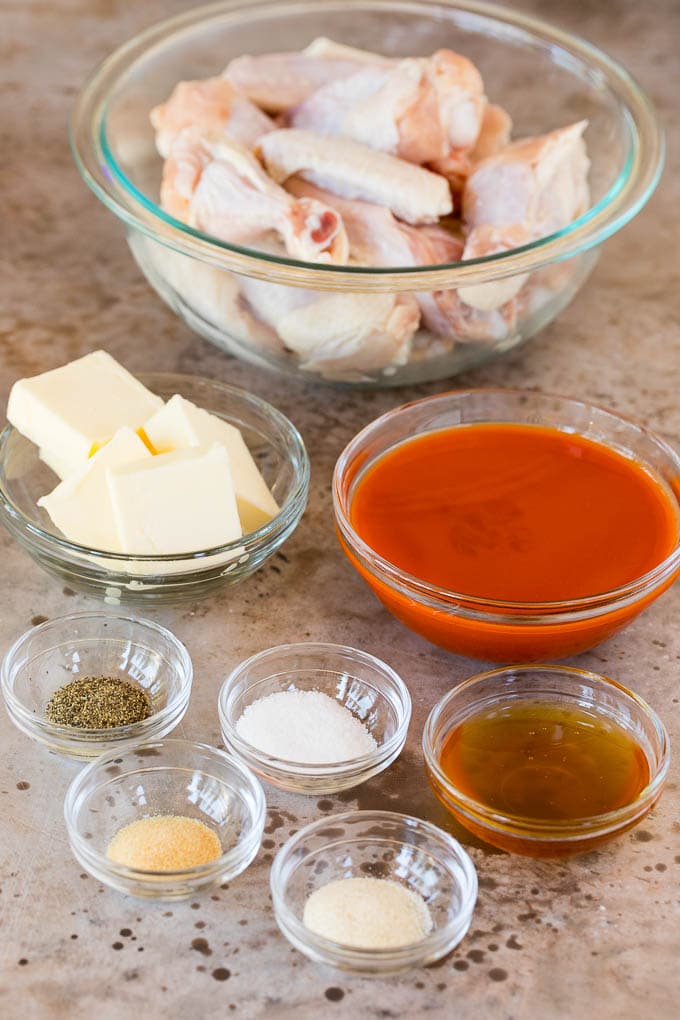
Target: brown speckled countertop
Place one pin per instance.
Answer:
(595, 936)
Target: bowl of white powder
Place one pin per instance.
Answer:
(314, 718)
(373, 892)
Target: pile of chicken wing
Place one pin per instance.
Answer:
(340, 156)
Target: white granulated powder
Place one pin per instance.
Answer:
(304, 726)
(368, 913)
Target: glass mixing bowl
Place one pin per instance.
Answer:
(546, 78)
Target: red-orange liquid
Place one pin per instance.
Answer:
(516, 513)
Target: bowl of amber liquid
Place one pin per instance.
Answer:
(545, 761)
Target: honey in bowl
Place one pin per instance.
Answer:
(545, 760)
(520, 515)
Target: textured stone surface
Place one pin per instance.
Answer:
(595, 936)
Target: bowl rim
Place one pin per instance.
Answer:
(308, 770)
(626, 196)
(41, 728)
(480, 607)
(525, 827)
(297, 455)
(438, 939)
(242, 849)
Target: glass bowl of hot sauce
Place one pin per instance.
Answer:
(509, 525)
(545, 761)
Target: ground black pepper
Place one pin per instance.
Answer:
(98, 703)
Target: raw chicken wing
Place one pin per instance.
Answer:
(278, 81)
(341, 336)
(215, 108)
(488, 240)
(494, 135)
(377, 238)
(540, 183)
(463, 323)
(352, 170)
(417, 109)
(227, 193)
(327, 48)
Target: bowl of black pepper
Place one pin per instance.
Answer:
(84, 683)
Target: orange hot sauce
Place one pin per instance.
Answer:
(514, 513)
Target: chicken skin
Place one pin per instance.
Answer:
(214, 108)
(539, 183)
(352, 170)
(220, 188)
(418, 109)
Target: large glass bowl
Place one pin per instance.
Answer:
(492, 628)
(273, 441)
(545, 77)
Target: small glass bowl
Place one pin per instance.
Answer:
(377, 844)
(551, 685)
(491, 628)
(366, 686)
(165, 777)
(95, 644)
(273, 441)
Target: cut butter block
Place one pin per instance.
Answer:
(61, 466)
(175, 503)
(81, 507)
(71, 411)
(180, 424)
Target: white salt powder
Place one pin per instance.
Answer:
(304, 726)
(368, 913)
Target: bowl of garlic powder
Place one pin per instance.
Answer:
(164, 819)
(373, 892)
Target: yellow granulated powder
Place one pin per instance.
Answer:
(164, 843)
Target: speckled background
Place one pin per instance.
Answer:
(596, 936)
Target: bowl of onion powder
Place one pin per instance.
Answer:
(314, 718)
(373, 892)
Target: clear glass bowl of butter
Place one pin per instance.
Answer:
(115, 577)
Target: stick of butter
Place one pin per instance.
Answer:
(175, 503)
(81, 506)
(69, 412)
(179, 424)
